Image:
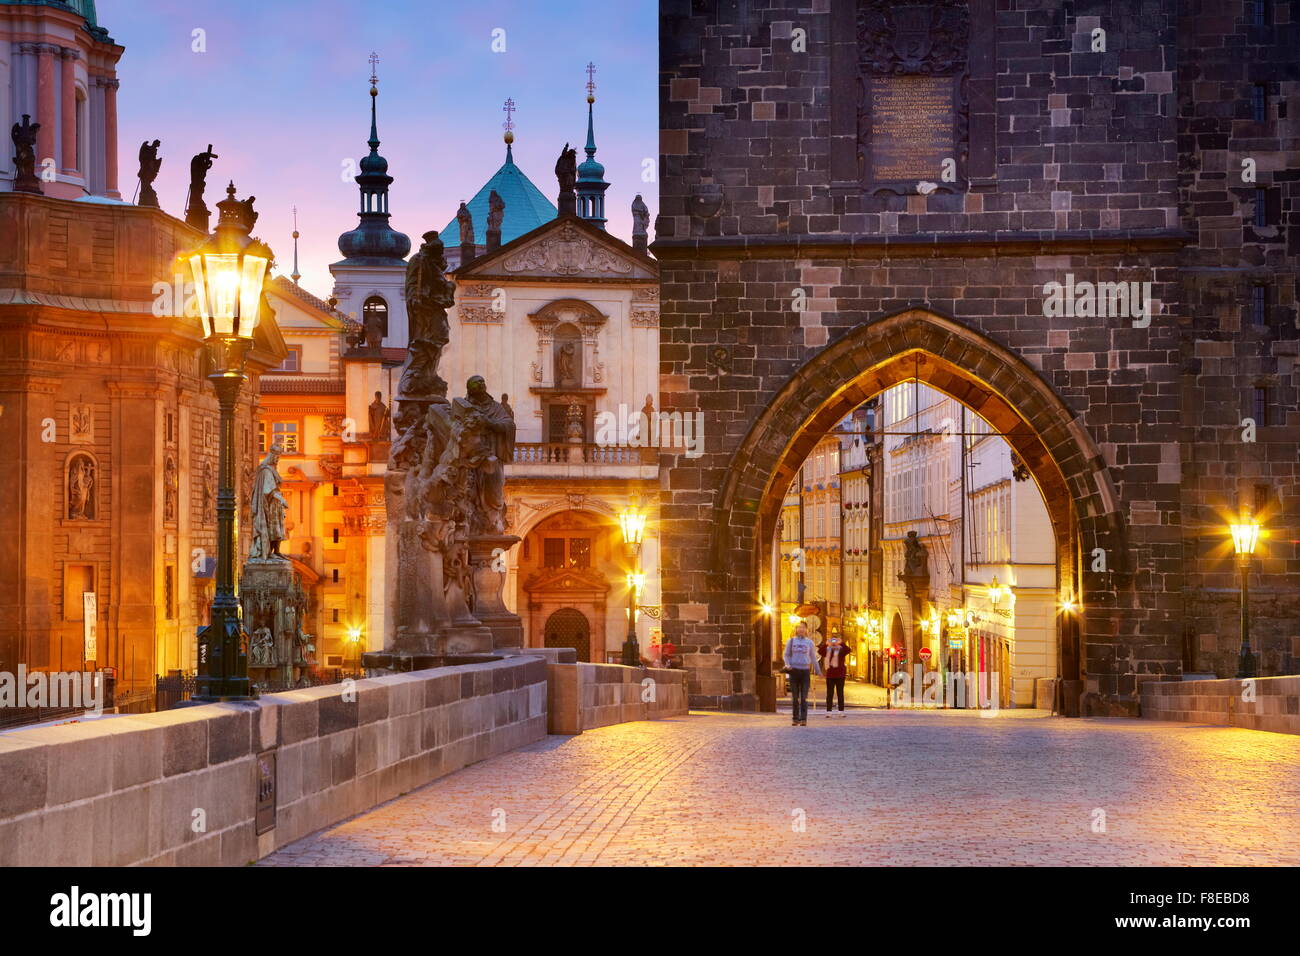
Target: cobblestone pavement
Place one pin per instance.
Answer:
(872, 788)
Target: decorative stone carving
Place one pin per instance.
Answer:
(171, 488)
(913, 38)
(479, 315)
(568, 253)
(644, 318)
(81, 423)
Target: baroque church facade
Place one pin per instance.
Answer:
(561, 319)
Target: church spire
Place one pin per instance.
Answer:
(509, 126)
(591, 183)
(373, 238)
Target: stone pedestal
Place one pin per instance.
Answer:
(488, 560)
(465, 633)
(273, 603)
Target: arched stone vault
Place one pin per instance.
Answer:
(938, 351)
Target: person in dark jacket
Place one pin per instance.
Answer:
(834, 657)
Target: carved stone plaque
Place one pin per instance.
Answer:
(913, 128)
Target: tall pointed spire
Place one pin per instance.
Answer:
(295, 275)
(509, 126)
(373, 238)
(591, 184)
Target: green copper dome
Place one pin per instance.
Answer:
(526, 207)
(84, 7)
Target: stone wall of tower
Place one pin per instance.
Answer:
(1224, 58)
(1073, 169)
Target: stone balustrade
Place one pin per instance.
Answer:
(586, 696)
(1265, 703)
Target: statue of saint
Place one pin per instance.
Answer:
(482, 442)
(261, 651)
(640, 217)
(566, 172)
(429, 294)
(196, 210)
(81, 489)
(496, 211)
(916, 561)
(246, 212)
(565, 362)
(149, 166)
(24, 137)
(379, 419)
(267, 508)
(466, 223)
(373, 330)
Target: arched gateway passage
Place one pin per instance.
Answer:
(999, 386)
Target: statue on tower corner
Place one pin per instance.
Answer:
(149, 166)
(24, 137)
(566, 171)
(197, 213)
(496, 213)
(465, 221)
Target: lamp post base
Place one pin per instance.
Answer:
(631, 652)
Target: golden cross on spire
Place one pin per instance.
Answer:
(591, 77)
(374, 66)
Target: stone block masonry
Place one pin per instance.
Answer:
(586, 696)
(1267, 703)
(182, 787)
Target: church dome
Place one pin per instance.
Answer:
(374, 239)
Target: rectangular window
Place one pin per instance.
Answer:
(552, 552)
(292, 361)
(579, 552)
(169, 592)
(1261, 206)
(1263, 499)
(261, 437)
(334, 615)
(1259, 103)
(334, 576)
(286, 433)
(1259, 305)
(1261, 407)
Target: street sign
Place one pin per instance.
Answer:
(956, 642)
(925, 653)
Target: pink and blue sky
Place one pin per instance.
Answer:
(282, 94)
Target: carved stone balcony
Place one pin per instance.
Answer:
(582, 460)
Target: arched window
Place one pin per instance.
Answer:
(375, 306)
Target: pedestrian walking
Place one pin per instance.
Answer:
(801, 660)
(834, 657)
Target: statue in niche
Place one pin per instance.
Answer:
(379, 419)
(372, 331)
(261, 651)
(209, 481)
(267, 509)
(149, 166)
(171, 488)
(81, 488)
(566, 365)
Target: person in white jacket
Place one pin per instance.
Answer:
(801, 663)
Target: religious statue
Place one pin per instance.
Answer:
(261, 650)
(496, 211)
(466, 223)
(379, 419)
(373, 330)
(565, 362)
(429, 294)
(81, 488)
(566, 171)
(640, 217)
(916, 561)
(267, 508)
(24, 137)
(171, 488)
(149, 166)
(196, 210)
(573, 430)
(472, 470)
(246, 212)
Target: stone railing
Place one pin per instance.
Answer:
(586, 696)
(225, 784)
(558, 453)
(1266, 703)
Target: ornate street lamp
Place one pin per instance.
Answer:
(1245, 536)
(632, 523)
(229, 270)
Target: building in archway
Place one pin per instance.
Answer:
(916, 199)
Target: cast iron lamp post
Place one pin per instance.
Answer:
(1244, 538)
(632, 521)
(229, 270)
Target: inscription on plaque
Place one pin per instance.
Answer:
(912, 127)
